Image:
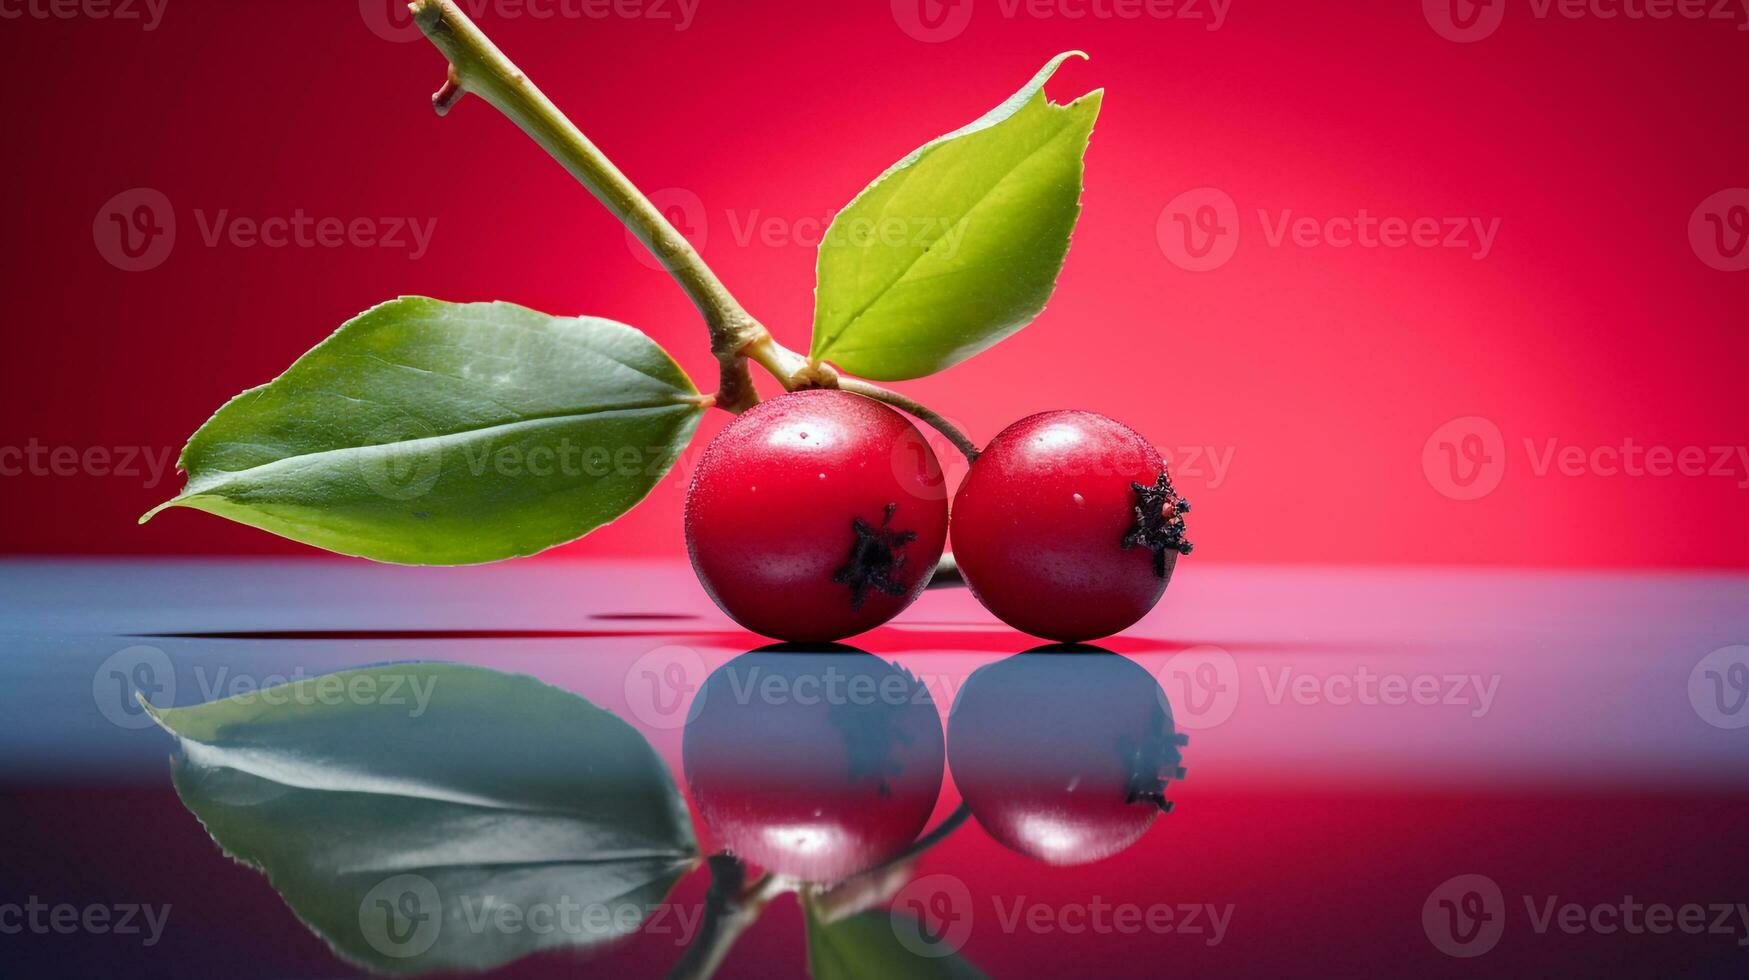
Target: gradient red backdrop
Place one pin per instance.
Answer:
(1320, 376)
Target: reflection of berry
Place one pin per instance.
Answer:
(800, 526)
(1064, 754)
(814, 764)
(1068, 527)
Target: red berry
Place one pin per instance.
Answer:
(815, 765)
(1068, 527)
(816, 515)
(1064, 755)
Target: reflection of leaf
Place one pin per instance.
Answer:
(866, 946)
(428, 817)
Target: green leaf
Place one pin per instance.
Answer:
(434, 433)
(426, 816)
(866, 946)
(959, 244)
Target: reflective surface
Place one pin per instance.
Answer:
(1447, 772)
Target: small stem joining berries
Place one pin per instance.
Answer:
(966, 446)
(1159, 525)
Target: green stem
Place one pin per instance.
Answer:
(965, 445)
(476, 65)
(479, 67)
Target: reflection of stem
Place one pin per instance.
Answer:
(729, 908)
(942, 831)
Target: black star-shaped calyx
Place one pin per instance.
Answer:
(874, 558)
(1159, 525)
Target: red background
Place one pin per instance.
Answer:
(1323, 371)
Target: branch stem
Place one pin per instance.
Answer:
(477, 66)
